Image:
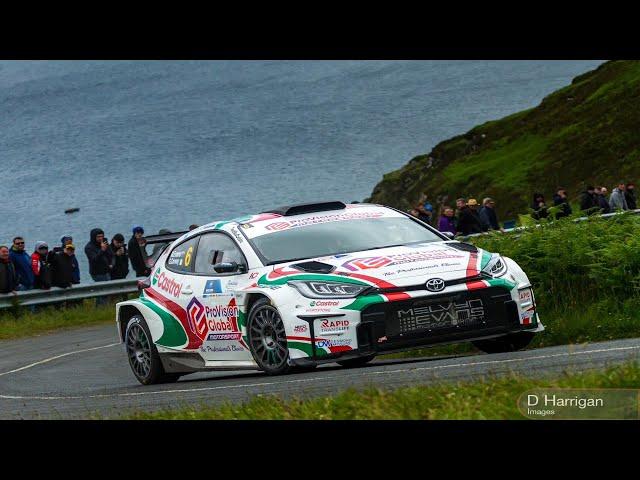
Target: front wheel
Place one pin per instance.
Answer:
(267, 338)
(144, 359)
(509, 343)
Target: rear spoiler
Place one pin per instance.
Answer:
(164, 237)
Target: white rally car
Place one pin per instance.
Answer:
(314, 283)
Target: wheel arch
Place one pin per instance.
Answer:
(125, 312)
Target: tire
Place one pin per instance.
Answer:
(267, 338)
(142, 353)
(356, 362)
(509, 343)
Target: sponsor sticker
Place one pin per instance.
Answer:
(324, 303)
(328, 325)
(212, 287)
(399, 259)
(300, 328)
(166, 283)
(342, 342)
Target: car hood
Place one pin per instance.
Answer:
(401, 265)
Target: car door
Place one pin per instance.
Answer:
(215, 297)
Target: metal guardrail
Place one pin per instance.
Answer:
(77, 292)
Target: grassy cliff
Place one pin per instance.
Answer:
(585, 133)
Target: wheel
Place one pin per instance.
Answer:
(267, 338)
(143, 354)
(356, 362)
(508, 343)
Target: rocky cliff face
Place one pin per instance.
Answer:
(585, 133)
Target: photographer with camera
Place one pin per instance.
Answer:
(99, 256)
(138, 252)
(120, 257)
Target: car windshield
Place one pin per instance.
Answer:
(333, 238)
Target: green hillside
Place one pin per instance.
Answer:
(585, 133)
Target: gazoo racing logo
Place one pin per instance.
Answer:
(197, 319)
(166, 284)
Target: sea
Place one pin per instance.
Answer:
(165, 144)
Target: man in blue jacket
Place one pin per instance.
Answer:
(22, 262)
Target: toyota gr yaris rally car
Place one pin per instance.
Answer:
(314, 283)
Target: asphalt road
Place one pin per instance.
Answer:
(79, 373)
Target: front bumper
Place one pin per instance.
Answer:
(424, 321)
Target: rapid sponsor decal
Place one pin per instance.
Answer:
(166, 283)
(525, 296)
(329, 325)
(212, 287)
(399, 259)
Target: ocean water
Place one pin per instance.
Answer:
(166, 144)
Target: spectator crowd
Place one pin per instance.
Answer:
(469, 217)
(58, 267)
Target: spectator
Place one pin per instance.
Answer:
(588, 201)
(40, 266)
(447, 222)
(539, 207)
(414, 213)
(468, 218)
(617, 200)
(193, 226)
(630, 196)
(62, 267)
(488, 215)
(425, 209)
(560, 200)
(120, 265)
(22, 264)
(8, 277)
(99, 256)
(66, 240)
(137, 252)
(601, 199)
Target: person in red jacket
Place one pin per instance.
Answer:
(40, 266)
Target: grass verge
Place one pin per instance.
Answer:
(494, 399)
(25, 323)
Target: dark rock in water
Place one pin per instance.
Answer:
(71, 210)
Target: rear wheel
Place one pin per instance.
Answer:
(144, 359)
(508, 343)
(267, 338)
(356, 362)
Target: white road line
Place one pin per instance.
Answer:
(50, 359)
(313, 379)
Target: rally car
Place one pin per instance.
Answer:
(307, 284)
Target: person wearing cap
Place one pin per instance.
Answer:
(62, 267)
(120, 265)
(138, 253)
(469, 219)
(66, 240)
(488, 215)
(40, 266)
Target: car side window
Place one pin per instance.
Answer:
(182, 258)
(216, 248)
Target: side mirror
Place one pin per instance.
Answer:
(449, 235)
(229, 267)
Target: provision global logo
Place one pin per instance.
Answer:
(197, 319)
(366, 263)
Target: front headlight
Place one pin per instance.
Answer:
(496, 267)
(313, 289)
